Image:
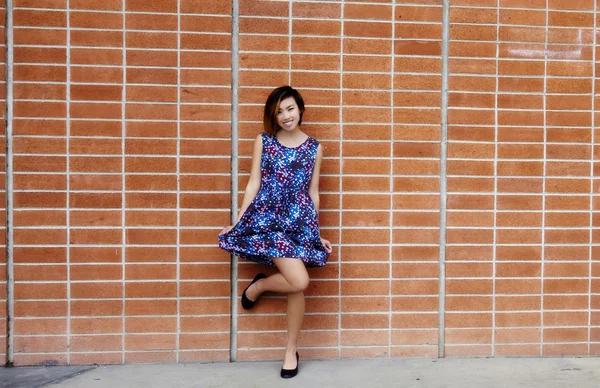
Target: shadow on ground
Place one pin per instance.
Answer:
(34, 377)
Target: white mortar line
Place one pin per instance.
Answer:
(443, 179)
(68, 183)
(290, 10)
(178, 206)
(8, 117)
(590, 269)
(391, 183)
(543, 247)
(235, 32)
(495, 238)
(123, 180)
(341, 137)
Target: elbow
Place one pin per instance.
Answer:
(314, 196)
(252, 187)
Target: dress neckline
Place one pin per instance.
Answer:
(292, 148)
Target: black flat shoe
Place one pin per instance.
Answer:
(247, 303)
(289, 373)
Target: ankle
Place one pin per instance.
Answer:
(291, 349)
(257, 287)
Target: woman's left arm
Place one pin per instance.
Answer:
(313, 190)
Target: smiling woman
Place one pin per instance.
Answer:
(288, 115)
(278, 223)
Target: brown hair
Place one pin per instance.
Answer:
(272, 106)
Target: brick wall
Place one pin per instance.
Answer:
(519, 259)
(122, 173)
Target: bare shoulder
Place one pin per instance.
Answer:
(258, 142)
(320, 150)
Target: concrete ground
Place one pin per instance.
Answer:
(405, 373)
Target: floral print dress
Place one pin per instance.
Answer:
(281, 221)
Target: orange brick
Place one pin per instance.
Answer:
(95, 343)
(155, 290)
(151, 22)
(96, 290)
(101, 272)
(94, 20)
(41, 309)
(45, 344)
(350, 321)
(96, 308)
(40, 273)
(40, 326)
(161, 6)
(40, 291)
(113, 5)
(153, 307)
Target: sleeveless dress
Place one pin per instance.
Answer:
(281, 221)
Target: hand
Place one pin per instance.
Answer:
(226, 230)
(326, 244)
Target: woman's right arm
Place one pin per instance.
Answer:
(254, 182)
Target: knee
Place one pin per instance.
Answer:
(300, 283)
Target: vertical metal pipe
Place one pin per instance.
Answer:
(443, 183)
(8, 117)
(235, 31)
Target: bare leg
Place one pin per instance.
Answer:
(294, 271)
(292, 280)
(295, 279)
(295, 316)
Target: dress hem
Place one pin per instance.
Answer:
(271, 263)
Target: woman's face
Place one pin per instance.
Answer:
(288, 115)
